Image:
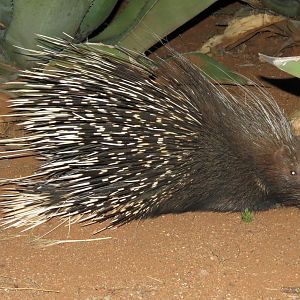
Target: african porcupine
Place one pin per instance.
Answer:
(124, 140)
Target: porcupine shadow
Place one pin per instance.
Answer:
(124, 140)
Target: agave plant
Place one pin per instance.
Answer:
(139, 24)
(134, 24)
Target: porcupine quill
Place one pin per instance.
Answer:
(124, 139)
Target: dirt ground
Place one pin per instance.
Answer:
(189, 256)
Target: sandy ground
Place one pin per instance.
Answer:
(189, 256)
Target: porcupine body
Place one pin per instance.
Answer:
(124, 140)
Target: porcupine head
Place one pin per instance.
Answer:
(283, 173)
(249, 156)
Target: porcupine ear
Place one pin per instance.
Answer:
(285, 158)
(282, 154)
(285, 153)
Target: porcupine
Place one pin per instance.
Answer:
(124, 139)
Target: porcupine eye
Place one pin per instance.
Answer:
(294, 174)
(288, 163)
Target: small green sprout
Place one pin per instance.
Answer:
(247, 216)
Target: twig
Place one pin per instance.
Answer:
(27, 289)
(46, 243)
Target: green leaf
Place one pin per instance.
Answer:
(31, 17)
(144, 22)
(289, 8)
(215, 70)
(123, 22)
(98, 47)
(109, 49)
(289, 65)
(210, 67)
(96, 15)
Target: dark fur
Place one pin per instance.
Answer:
(145, 141)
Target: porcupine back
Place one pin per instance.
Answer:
(123, 140)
